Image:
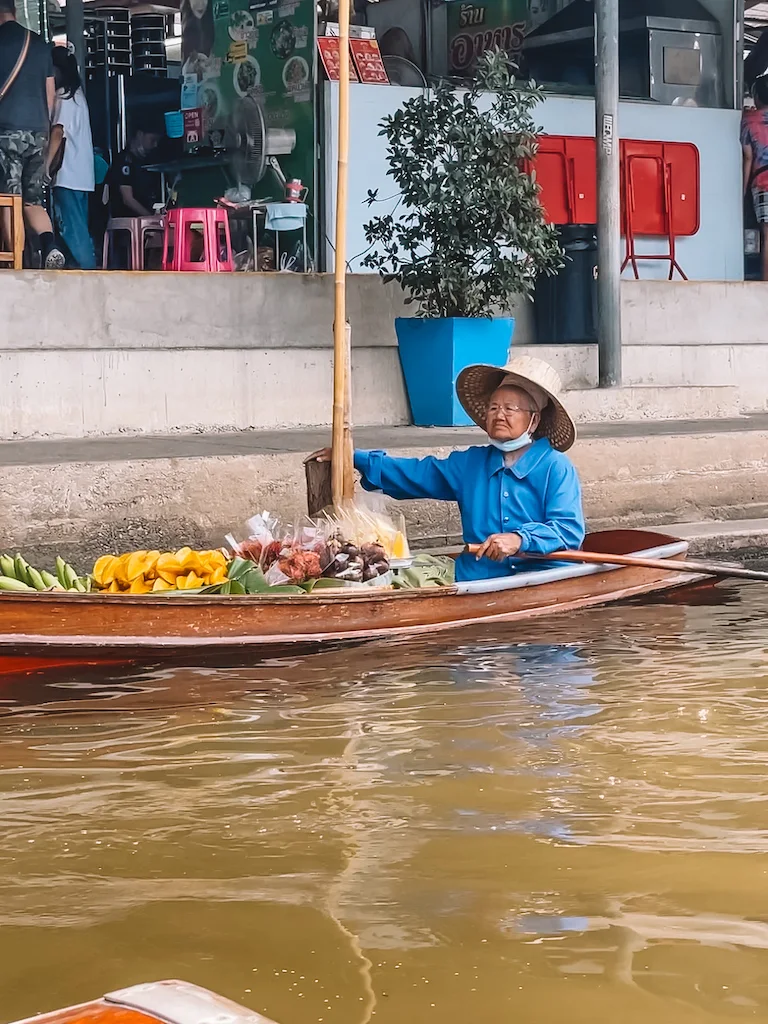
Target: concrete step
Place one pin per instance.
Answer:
(640, 403)
(683, 365)
(706, 365)
(709, 368)
(576, 364)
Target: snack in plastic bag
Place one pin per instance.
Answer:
(295, 565)
(303, 554)
(350, 544)
(389, 528)
(263, 544)
(361, 543)
(364, 526)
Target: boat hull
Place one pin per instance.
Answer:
(77, 629)
(158, 1002)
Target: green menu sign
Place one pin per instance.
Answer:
(241, 51)
(474, 28)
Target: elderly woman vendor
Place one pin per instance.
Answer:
(518, 494)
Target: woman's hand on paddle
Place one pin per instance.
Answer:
(500, 546)
(322, 455)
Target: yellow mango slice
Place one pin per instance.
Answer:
(114, 588)
(219, 576)
(160, 585)
(183, 556)
(168, 568)
(135, 565)
(120, 570)
(104, 570)
(150, 564)
(140, 586)
(216, 560)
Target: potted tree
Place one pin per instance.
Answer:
(468, 235)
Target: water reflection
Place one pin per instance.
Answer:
(563, 820)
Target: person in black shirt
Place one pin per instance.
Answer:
(133, 190)
(25, 117)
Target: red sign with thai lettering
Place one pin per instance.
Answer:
(329, 54)
(367, 57)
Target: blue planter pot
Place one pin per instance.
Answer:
(434, 352)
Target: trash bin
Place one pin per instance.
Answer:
(565, 306)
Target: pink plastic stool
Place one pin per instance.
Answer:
(209, 225)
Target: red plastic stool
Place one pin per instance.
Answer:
(208, 226)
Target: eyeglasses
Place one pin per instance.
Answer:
(509, 408)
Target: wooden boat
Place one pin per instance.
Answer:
(39, 631)
(159, 1002)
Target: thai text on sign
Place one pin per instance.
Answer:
(329, 54)
(367, 57)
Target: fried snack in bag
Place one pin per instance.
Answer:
(362, 541)
(264, 541)
(352, 543)
(365, 521)
(303, 555)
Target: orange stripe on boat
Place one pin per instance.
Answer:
(20, 665)
(95, 1013)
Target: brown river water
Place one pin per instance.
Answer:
(566, 821)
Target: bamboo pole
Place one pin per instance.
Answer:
(341, 465)
(348, 454)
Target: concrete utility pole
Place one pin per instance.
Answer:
(608, 191)
(75, 28)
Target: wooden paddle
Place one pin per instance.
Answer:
(719, 569)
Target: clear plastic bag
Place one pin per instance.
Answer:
(264, 540)
(350, 544)
(303, 554)
(366, 521)
(359, 544)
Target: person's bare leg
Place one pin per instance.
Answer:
(38, 219)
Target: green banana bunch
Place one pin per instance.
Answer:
(18, 576)
(11, 583)
(69, 579)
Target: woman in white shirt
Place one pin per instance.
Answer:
(75, 180)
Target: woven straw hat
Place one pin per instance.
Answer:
(476, 384)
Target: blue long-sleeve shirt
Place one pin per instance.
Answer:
(538, 497)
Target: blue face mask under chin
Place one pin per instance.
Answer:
(516, 443)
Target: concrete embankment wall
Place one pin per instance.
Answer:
(84, 499)
(702, 333)
(84, 354)
(90, 354)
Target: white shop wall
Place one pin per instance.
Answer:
(714, 254)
